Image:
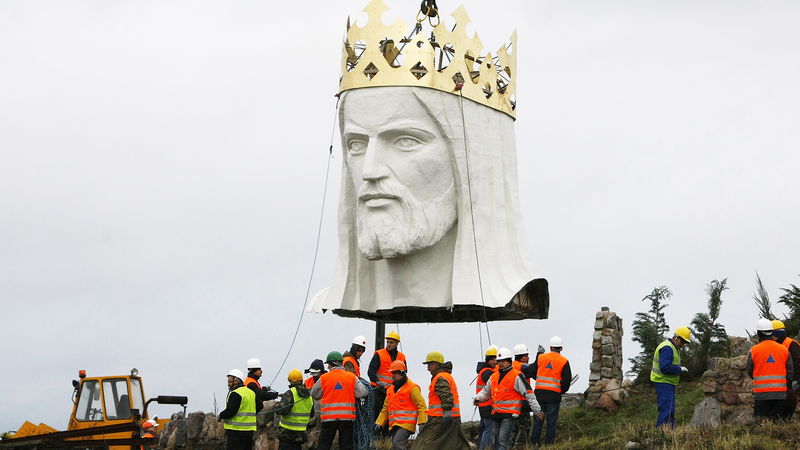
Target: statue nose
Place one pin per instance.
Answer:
(374, 167)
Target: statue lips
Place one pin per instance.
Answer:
(378, 199)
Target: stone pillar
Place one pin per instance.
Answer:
(606, 347)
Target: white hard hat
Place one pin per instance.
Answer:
(253, 363)
(520, 349)
(236, 373)
(556, 341)
(504, 353)
(764, 326)
(360, 340)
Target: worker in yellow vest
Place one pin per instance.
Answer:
(380, 376)
(443, 430)
(770, 366)
(351, 357)
(779, 333)
(296, 408)
(403, 409)
(485, 370)
(240, 412)
(337, 391)
(553, 376)
(509, 390)
(666, 373)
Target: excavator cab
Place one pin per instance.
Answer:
(107, 400)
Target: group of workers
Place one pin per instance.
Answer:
(334, 399)
(773, 364)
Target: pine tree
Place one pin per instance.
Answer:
(649, 330)
(711, 339)
(761, 297)
(791, 298)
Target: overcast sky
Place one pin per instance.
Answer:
(162, 165)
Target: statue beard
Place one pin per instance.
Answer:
(404, 227)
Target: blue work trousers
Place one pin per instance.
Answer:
(505, 432)
(550, 410)
(488, 433)
(665, 399)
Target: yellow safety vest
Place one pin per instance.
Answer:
(245, 418)
(297, 419)
(655, 374)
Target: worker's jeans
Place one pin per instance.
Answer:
(550, 410)
(769, 409)
(504, 432)
(400, 438)
(488, 433)
(238, 440)
(665, 399)
(329, 429)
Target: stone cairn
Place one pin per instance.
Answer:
(607, 390)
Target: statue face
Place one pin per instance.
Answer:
(401, 170)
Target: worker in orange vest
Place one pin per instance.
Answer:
(509, 389)
(443, 430)
(770, 366)
(485, 370)
(522, 431)
(316, 370)
(149, 431)
(351, 357)
(380, 376)
(403, 409)
(253, 374)
(553, 376)
(779, 332)
(337, 391)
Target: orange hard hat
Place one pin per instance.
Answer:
(397, 365)
(149, 424)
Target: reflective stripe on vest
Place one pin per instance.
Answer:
(351, 360)
(383, 372)
(402, 409)
(506, 398)
(245, 418)
(655, 372)
(769, 367)
(480, 385)
(548, 371)
(435, 403)
(338, 395)
(297, 419)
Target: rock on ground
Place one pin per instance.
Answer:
(707, 414)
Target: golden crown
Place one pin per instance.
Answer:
(449, 61)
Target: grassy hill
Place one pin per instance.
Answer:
(585, 428)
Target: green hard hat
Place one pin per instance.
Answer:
(333, 356)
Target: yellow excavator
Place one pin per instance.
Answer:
(107, 412)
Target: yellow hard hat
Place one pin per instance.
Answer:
(491, 351)
(393, 335)
(684, 333)
(434, 356)
(295, 375)
(777, 325)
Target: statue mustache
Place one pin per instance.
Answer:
(382, 189)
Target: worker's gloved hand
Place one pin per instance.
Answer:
(476, 402)
(378, 428)
(539, 415)
(421, 426)
(540, 349)
(684, 369)
(796, 385)
(447, 417)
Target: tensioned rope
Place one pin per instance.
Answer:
(316, 245)
(472, 218)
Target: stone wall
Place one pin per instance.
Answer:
(606, 348)
(728, 390)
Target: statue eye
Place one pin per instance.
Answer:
(356, 147)
(407, 143)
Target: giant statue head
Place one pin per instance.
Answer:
(429, 223)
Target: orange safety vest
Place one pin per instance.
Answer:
(506, 399)
(787, 342)
(769, 367)
(479, 385)
(517, 365)
(384, 374)
(249, 380)
(354, 362)
(146, 435)
(309, 383)
(338, 395)
(435, 403)
(548, 371)
(402, 409)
